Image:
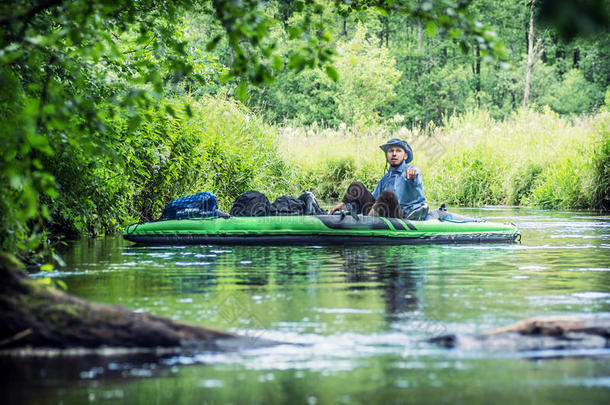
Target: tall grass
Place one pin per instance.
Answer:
(533, 158)
(326, 160)
(240, 151)
(601, 165)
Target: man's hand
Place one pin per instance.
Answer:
(336, 208)
(411, 173)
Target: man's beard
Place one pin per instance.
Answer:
(396, 165)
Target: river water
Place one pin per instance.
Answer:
(356, 319)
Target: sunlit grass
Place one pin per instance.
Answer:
(534, 158)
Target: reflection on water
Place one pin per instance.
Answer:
(354, 318)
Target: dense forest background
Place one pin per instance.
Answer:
(398, 69)
(110, 109)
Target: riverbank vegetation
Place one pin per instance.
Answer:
(530, 158)
(111, 109)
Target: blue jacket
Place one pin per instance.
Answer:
(410, 193)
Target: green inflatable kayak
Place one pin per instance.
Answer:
(317, 230)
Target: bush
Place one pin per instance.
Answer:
(561, 186)
(240, 151)
(523, 182)
(219, 147)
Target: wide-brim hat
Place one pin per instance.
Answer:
(402, 144)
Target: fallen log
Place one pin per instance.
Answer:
(35, 317)
(559, 325)
(573, 333)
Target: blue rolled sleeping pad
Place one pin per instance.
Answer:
(198, 205)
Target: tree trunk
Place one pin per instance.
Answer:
(381, 34)
(477, 72)
(387, 32)
(34, 315)
(418, 35)
(532, 51)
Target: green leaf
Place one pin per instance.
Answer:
(331, 72)
(464, 46)
(297, 61)
(242, 91)
(454, 33)
(45, 281)
(294, 32)
(46, 267)
(134, 122)
(9, 57)
(51, 192)
(226, 77)
(278, 64)
(212, 44)
(431, 28)
(188, 110)
(382, 11)
(44, 211)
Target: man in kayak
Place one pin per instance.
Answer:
(399, 193)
